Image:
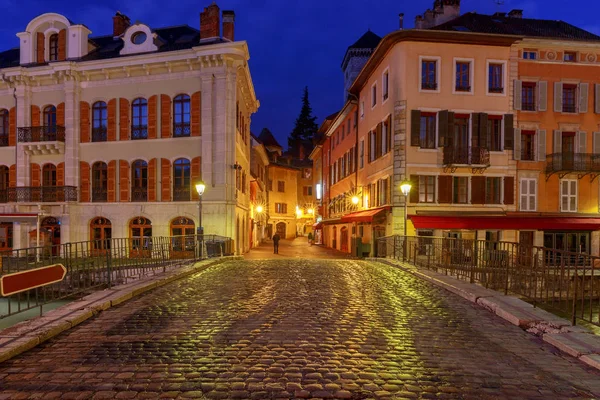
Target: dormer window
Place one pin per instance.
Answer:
(138, 38)
(53, 47)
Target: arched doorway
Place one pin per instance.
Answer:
(140, 236)
(52, 226)
(344, 239)
(281, 228)
(100, 235)
(182, 237)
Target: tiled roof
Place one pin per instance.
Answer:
(267, 139)
(367, 41)
(505, 25)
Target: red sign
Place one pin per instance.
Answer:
(31, 279)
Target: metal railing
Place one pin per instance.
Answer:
(139, 132)
(99, 194)
(3, 140)
(182, 193)
(100, 264)
(181, 129)
(468, 155)
(99, 134)
(567, 282)
(139, 194)
(43, 194)
(29, 134)
(575, 162)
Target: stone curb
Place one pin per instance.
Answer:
(573, 340)
(26, 335)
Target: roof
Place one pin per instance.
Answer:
(369, 40)
(267, 139)
(506, 25)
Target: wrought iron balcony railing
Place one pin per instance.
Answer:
(181, 129)
(139, 194)
(181, 194)
(99, 195)
(30, 134)
(99, 134)
(3, 140)
(572, 162)
(139, 132)
(38, 194)
(466, 156)
(429, 86)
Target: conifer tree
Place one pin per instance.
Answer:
(305, 128)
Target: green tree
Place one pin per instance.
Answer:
(305, 128)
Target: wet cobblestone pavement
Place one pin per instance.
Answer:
(297, 329)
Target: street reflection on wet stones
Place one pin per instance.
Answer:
(297, 329)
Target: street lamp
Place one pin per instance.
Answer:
(405, 187)
(259, 209)
(355, 200)
(200, 187)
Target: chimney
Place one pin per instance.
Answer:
(516, 14)
(209, 23)
(120, 23)
(401, 15)
(419, 22)
(228, 24)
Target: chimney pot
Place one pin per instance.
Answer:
(209, 23)
(516, 14)
(228, 24)
(120, 23)
(401, 15)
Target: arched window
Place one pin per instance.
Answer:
(182, 236)
(3, 127)
(50, 117)
(99, 121)
(53, 42)
(6, 236)
(99, 182)
(139, 123)
(140, 233)
(139, 181)
(100, 235)
(181, 179)
(181, 115)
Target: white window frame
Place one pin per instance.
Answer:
(435, 189)
(361, 154)
(530, 51)
(362, 109)
(385, 81)
(374, 95)
(504, 77)
(438, 73)
(471, 61)
(527, 195)
(501, 132)
(568, 195)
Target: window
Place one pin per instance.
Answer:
(495, 132)
(384, 137)
(50, 118)
(385, 84)
(281, 186)
(337, 138)
(568, 98)
(49, 175)
(182, 179)
(349, 122)
(4, 181)
(528, 97)
(99, 121)
(463, 76)
(427, 189)
(428, 126)
(139, 181)
(99, 182)
(383, 191)
(343, 131)
(428, 75)
(181, 116)
(270, 185)
(495, 84)
(528, 195)
(528, 145)
(372, 145)
(138, 38)
(492, 190)
(529, 55)
(280, 208)
(568, 195)
(374, 95)
(53, 47)
(140, 231)
(3, 128)
(570, 56)
(362, 109)
(355, 118)
(182, 226)
(361, 156)
(307, 191)
(139, 111)
(100, 235)
(460, 190)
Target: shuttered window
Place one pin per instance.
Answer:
(427, 132)
(493, 191)
(528, 194)
(568, 195)
(569, 95)
(528, 97)
(494, 129)
(426, 189)
(528, 145)
(53, 47)
(460, 190)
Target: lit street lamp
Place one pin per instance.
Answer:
(405, 187)
(355, 200)
(200, 187)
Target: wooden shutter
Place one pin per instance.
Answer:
(124, 180)
(509, 190)
(414, 191)
(484, 134)
(478, 190)
(60, 174)
(84, 121)
(445, 189)
(581, 142)
(12, 176)
(196, 175)
(442, 127)
(36, 172)
(35, 115)
(583, 97)
(152, 104)
(111, 181)
(152, 180)
(557, 148)
(196, 105)
(597, 99)
(558, 90)
(378, 147)
(518, 92)
(165, 179)
(596, 143)
(389, 133)
(62, 45)
(449, 140)
(12, 127)
(517, 150)
(509, 135)
(165, 116)
(475, 136)
(40, 48)
(111, 129)
(124, 120)
(541, 145)
(60, 114)
(415, 128)
(84, 182)
(542, 95)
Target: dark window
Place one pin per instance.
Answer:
(429, 75)
(373, 96)
(492, 190)
(181, 180)
(460, 190)
(527, 145)
(181, 115)
(281, 186)
(280, 208)
(529, 55)
(50, 117)
(495, 132)
(568, 98)
(53, 48)
(4, 180)
(386, 79)
(138, 38)
(140, 229)
(570, 56)
(99, 182)
(528, 96)
(100, 234)
(463, 83)
(427, 138)
(139, 113)
(139, 181)
(4, 128)
(99, 121)
(427, 189)
(49, 175)
(495, 84)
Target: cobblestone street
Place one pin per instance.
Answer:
(295, 328)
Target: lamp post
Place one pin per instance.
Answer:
(200, 187)
(405, 187)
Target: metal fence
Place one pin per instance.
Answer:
(564, 281)
(100, 264)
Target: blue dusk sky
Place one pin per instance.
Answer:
(292, 43)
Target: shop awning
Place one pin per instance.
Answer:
(29, 217)
(363, 216)
(505, 222)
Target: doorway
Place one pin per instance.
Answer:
(281, 229)
(344, 239)
(525, 248)
(52, 226)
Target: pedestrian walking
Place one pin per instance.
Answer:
(276, 239)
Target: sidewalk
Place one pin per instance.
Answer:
(295, 248)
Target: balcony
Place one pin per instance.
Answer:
(565, 163)
(38, 194)
(468, 156)
(181, 194)
(99, 195)
(139, 132)
(139, 194)
(181, 129)
(42, 140)
(99, 134)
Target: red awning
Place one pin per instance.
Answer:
(23, 217)
(363, 216)
(505, 222)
